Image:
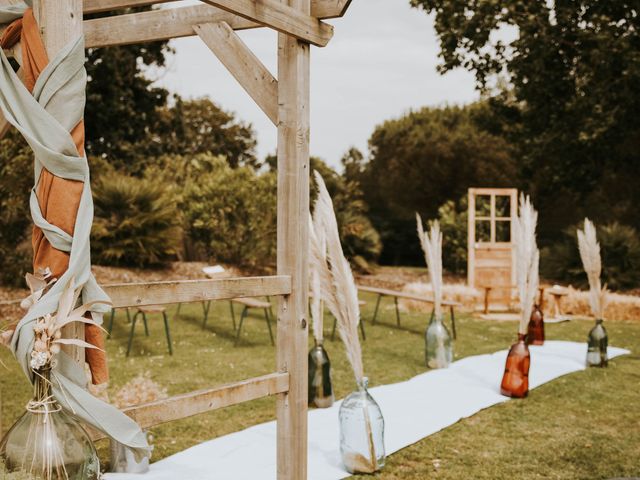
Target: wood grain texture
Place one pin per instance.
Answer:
(241, 62)
(60, 22)
(187, 291)
(280, 17)
(165, 24)
(293, 246)
(194, 403)
(319, 8)
(156, 25)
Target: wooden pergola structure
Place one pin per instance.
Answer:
(285, 101)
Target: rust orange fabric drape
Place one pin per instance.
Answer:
(58, 198)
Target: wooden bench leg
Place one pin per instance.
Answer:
(206, 306)
(375, 312)
(110, 327)
(333, 331)
(364, 335)
(395, 300)
(268, 319)
(131, 333)
(167, 332)
(453, 322)
(233, 315)
(486, 300)
(242, 317)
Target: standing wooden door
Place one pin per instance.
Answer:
(491, 263)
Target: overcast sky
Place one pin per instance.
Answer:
(380, 63)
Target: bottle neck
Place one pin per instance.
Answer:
(42, 384)
(363, 384)
(599, 321)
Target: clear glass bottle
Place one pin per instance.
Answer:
(438, 344)
(361, 432)
(320, 388)
(535, 335)
(597, 346)
(515, 381)
(46, 443)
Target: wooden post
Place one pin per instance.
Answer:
(60, 22)
(293, 245)
(471, 239)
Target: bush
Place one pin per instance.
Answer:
(620, 250)
(453, 222)
(136, 221)
(16, 172)
(230, 213)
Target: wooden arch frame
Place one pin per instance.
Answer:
(286, 102)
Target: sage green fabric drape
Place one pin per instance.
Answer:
(45, 120)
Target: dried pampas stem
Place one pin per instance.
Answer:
(431, 243)
(338, 287)
(527, 259)
(317, 262)
(590, 254)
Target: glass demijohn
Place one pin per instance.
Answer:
(535, 335)
(438, 344)
(361, 432)
(597, 346)
(320, 388)
(46, 443)
(515, 382)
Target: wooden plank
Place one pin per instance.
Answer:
(194, 403)
(96, 6)
(281, 17)
(319, 8)
(167, 293)
(246, 68)
(156, 25)
(293, 245)
(409, 296)
(60, 22)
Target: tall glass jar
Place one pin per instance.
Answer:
(515, 381)
(535, 335)
(46, 443)
(597, 346)
(320, 388)
(438, 344)
(361, 432)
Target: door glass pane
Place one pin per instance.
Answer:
(483, 206)
(483, 231)
(503, 231)
(503, 206)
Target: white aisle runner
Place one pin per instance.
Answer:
(412, 410)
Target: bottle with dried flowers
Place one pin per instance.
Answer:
(46, 443)
(320, 386)
(361, 421)
(590, 254)
(515, 381)
(438, 342)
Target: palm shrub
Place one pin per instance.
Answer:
(620, 247)
(137, 222)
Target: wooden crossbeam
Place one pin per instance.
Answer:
(187, 291)
(156, 25)
(202, 401)
(279, 16)
(319, 8)
(241, 62)
(97, 6)
(168, 23)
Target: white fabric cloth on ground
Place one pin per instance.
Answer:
(412, 410)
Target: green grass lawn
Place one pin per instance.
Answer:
(582, 426)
